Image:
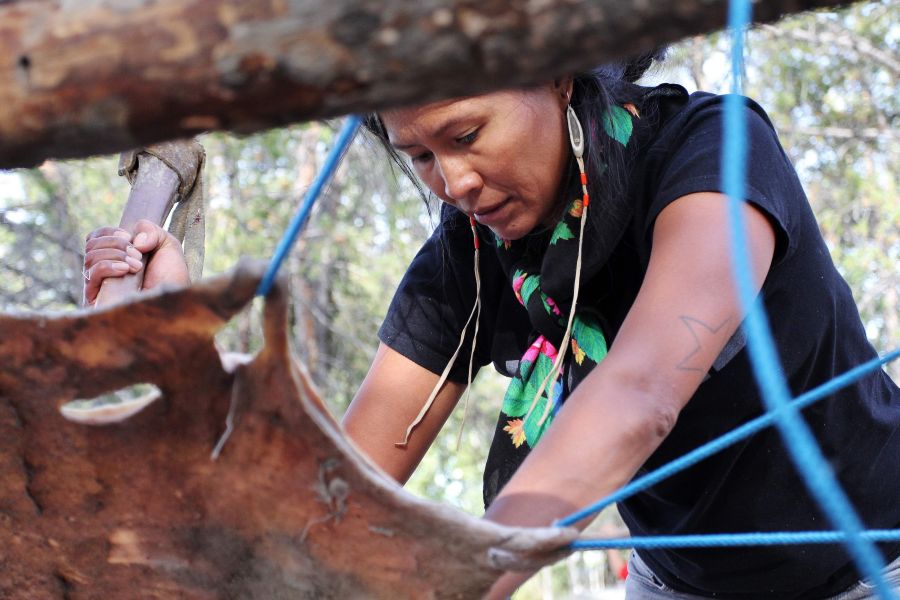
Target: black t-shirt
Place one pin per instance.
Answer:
(753, 485)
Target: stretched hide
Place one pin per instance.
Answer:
(139, 509)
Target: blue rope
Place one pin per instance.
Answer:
(348, 131)
(721, 540)
(799, 440)
(732, 437)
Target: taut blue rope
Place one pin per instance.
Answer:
(348, 131)
(722, 540)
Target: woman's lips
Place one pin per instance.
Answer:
(492, 215)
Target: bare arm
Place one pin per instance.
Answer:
(389, 399)
(684, 314)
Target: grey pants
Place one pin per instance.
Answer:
(642, 584)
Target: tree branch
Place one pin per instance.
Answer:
(27, 295)
(27, 230)
(865, 133)
(839, 36)
(81, 78)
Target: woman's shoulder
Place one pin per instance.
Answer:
(683, 114)
(690, 132)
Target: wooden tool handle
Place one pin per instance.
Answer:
(153, 193)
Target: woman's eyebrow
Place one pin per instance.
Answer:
(450, 123)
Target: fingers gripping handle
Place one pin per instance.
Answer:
(154, 190)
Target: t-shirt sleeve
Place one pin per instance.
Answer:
(691, 162)
(434, 300)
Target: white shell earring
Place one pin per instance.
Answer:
(576, 138)
(576, 133)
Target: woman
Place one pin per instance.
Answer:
(651, 357)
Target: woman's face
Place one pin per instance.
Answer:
(499, 157)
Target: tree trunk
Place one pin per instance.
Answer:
(98, 76)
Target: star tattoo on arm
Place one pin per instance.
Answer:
(701, 333)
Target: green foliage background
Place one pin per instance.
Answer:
(828, 80)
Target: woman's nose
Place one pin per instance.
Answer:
(460, 179)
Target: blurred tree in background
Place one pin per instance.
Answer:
(828, 80)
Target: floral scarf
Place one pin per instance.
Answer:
(542, 274)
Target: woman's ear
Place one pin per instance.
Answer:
(562, 88)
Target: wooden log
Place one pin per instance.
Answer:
(98, 76)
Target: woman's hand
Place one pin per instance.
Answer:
(114, 252)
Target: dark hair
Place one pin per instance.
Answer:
(593, 92)
(608, 163)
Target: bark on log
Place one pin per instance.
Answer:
(137, 509)
(99, 76)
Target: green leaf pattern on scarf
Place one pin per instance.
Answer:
(522, 389)
(618, 124)
(530, 284)
(534, 429)
(587, 337)
(562, 232)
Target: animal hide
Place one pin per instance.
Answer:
(137, 508)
